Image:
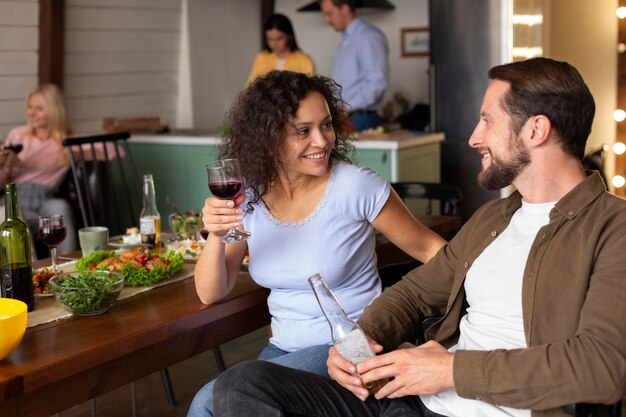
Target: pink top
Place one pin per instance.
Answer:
(43, 161)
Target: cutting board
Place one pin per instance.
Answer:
(382, 136)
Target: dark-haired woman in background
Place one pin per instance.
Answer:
(312, 211)
(280, 50)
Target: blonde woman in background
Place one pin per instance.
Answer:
(280, 50)
(40, 166)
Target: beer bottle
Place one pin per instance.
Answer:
(347, 336)
(149, 219)
(16, 270)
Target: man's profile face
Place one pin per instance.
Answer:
(503, 152)
(334, 16)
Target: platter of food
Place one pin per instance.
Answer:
(190, 249)
(140, 266)
(41, 286)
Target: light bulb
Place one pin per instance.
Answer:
(621, 48)
(619, 148)
(619, 115)
(618, 181)
(621, 12)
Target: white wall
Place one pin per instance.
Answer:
(584, 33)
(121, 60)
(407, 75)
(224, 39)
(18, 59)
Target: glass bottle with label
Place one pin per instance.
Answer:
(347, 336)
(149, 219)
(16, 271)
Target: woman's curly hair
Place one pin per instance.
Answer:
(261, 118)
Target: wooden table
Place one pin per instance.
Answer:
(59, 365)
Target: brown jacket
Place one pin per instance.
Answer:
(573, 301)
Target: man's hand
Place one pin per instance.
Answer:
(343, 371)
(426, 369)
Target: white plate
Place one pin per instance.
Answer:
(117, 242)
(190, 249)
(43, 294)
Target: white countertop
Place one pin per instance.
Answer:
(409, 140)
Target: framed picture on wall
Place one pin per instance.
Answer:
(414, 41)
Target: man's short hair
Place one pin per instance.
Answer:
(338, 3)
(543, 86)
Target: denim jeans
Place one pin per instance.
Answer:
(265, 389)
(312, 359)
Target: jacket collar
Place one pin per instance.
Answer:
(571, 203)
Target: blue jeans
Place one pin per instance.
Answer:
(311, 359)
(264, 389)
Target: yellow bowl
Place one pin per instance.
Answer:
(13, 317)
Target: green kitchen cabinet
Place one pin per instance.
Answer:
(177, 163)
(178, 172)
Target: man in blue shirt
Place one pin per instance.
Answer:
(361, 62)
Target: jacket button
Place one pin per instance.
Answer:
(570, 213)
(494, 233)
(466, 264)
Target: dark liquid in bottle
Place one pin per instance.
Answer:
(16, 282)
(52, 235)
(225, 189)
(374, 386)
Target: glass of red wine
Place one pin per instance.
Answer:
(52, 232)
(225, 182)
(15, 148)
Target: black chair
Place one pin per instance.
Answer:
(449, 196)
(106, 181)
(449, 199)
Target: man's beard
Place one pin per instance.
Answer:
(501, 173)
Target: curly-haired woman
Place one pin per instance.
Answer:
(309, 211)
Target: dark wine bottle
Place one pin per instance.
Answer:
(15, 258)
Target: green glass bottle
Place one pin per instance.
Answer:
(15, 258)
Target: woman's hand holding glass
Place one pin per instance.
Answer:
(220, 216)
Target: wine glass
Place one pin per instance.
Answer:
(52, 232)
(225, 182)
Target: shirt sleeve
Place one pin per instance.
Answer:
(366, 192)
(373, 60)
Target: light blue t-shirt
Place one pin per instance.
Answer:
(361, 65)
(336, 240)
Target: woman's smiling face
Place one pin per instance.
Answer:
(36, 113)
(310, 139)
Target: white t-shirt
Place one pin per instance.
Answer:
(336, 240)
(494, 317)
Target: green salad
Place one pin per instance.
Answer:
(135, 272)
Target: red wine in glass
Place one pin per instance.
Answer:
(15, 148)
(225, 182)
(52, 232)
(225, 189)
(53, 235)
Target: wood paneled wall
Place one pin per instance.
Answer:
(18, 59)
(121, 60)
